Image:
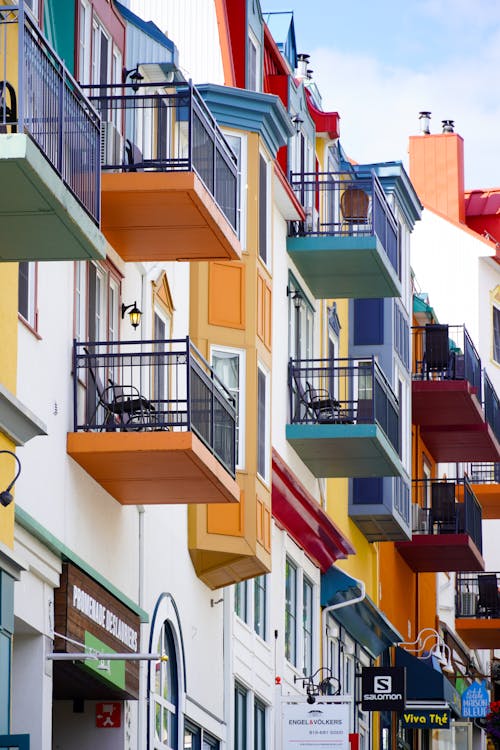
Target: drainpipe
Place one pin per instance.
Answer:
(143, 684)
(326, 611)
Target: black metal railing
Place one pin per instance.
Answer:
(153, 385)
(339, 205)
(47, 104)
(491, 405)
(484, 473)
(477, 595)
(447, 506)
(443, 352)
(342, 391)
(171, 131)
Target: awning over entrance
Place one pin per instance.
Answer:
(363, 620)
(426, 684)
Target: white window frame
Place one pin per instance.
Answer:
(242, 185)
(495, 307)
(32, 317)
(241, 420)
(81, 300)
(84, 42)
(306, 581)
(267, 425)
(99, 29)
(257, 72)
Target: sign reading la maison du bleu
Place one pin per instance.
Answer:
(475, 700)
(383, 688)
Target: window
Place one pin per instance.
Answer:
(291, 612)
(264, 253)
(27, 293)
(165, 693)
(240, 717)
(253, 63)
(301, 323)
(97, 302)
(263, 424)
(196, 738)
(259, 725)
(260, 606)
(496, 334)
(307, 625)
(241, 600)
(228, 365)
(239, 146)
(84, 24)
(368, 321)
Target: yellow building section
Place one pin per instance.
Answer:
(8, 373)
(230, 308)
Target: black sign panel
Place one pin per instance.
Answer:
(383, 688)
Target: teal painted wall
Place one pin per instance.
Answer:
(6, 631)
(59, 25)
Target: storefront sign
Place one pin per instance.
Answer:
(383, 688)
(89, 614)
(438, 718)
(475, 700)
(321, 725)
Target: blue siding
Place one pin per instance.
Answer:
(367, 491)
(368, 321)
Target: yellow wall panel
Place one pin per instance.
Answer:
(226, 295)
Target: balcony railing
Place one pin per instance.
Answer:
(491, 405)
(47, 104)
(443, 352)
(172, 131)
(339, 206)
(343, 391)
(485, 473)
(153, 385)
(446, 507)
(477, 595)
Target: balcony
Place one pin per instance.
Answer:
(169, 177)
(348, 245)
(381, 508)
(446, 528)
(49, 152)
(152, 423)
(446, 396)
(344, 418)
(477, 609)
(485, 481)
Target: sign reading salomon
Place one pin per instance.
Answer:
(383, 688)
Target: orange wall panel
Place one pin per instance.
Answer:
(437, 172)
(264, 311)
(397, 589)
(226, 295)
(232, 523)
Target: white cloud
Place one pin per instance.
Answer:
(379, 105)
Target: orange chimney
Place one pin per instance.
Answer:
(437, 170)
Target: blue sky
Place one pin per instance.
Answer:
(379, 63)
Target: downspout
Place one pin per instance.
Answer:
(142, 720)
(326, 611)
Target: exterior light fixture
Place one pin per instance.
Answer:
(326, 684)
(424, 650)
(296, 295)
(297, 122)
(134, 314)
(135, 77)
(5, 496)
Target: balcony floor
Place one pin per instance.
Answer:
(141, 468)
(445, 402)
(480, 633)
(435, 553)
(462, 443)
(378, 523)
(344, 450)
(488, 496)
(39, 216)
(162, 216)
(344, 267)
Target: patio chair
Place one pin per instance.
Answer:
(488, 604)
(444, 516)
(124, 408)
(8, 112)
(355, 206)
(436, 351)
(325, 408)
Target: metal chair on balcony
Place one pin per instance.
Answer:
(8, 112)
(444, 515)
(124, 408)
(488, 604)
(355, 205)
(436, 351)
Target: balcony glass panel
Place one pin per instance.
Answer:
(153, 385)
(166, 128)
(340, 205)
(491, 405)
(42, 100)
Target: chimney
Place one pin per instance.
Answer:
(302, 63)
(437, 168)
